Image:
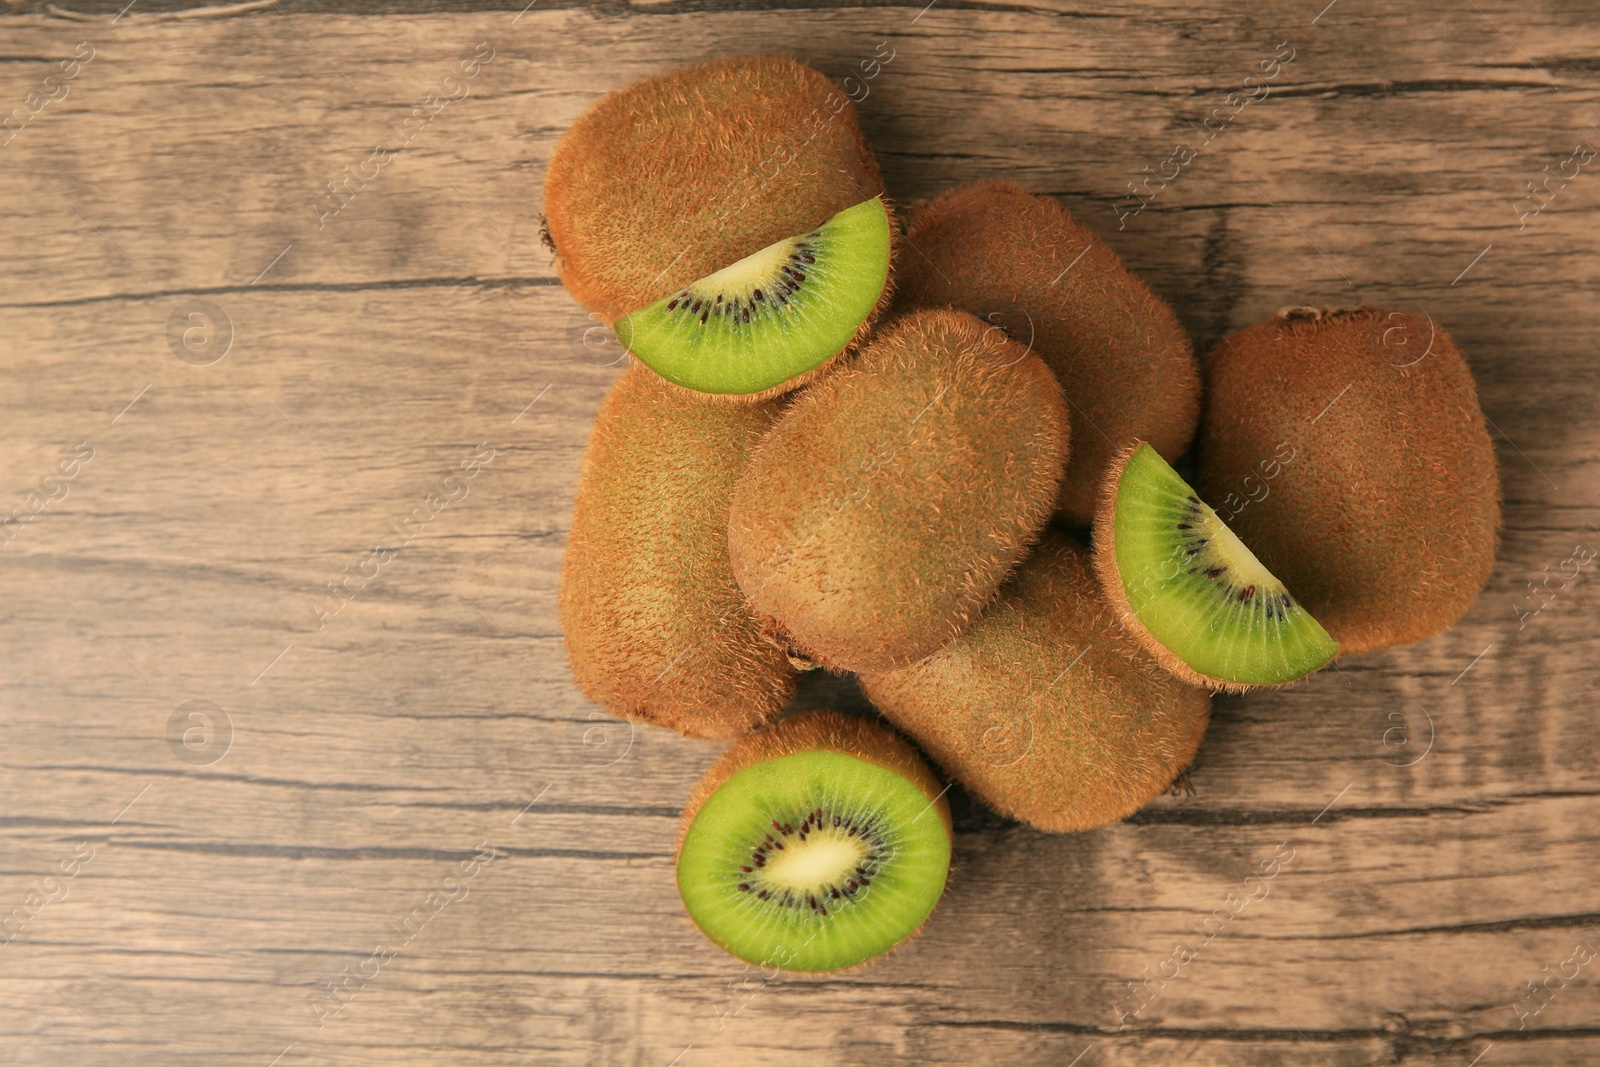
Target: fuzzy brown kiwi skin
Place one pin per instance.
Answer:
(799, 381)
(849, 629)
(682, 650)
(1385, 525)
(1102, 742)
(651, 188)
(1110, 578)
(1125, 362)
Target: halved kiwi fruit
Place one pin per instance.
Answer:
(769, 321)
(656, 629)
(1047, 709)
(669, 179)
(893, 497)
(1351, 445)
(1021, 261)
(814, 844)
(1190, 590)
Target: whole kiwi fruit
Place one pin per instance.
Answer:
(671, 179)
(1347, 449)
(656, 628)
(1047, 709)
(1125, 363)
(889, 502)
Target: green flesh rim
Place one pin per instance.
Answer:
(773, 315)
(1199, 591)
(863, 861)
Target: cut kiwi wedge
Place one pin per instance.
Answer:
(767, 322)
(1190, 590)
(815, 844)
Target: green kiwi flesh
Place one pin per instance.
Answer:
(772, 317)
(1191, 589)
(814, 845)
(1046, 709)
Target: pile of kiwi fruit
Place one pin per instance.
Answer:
(961, 452)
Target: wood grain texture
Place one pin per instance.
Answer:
(1440, 801)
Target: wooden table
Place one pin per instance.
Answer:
(219, 795)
